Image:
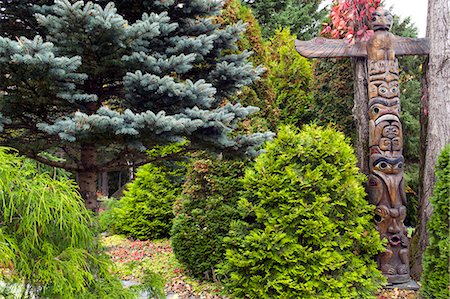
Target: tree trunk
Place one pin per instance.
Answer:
(105, 184)
(360, 112)
(87, 177)
(437, 124)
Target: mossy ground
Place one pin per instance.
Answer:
(132, 257)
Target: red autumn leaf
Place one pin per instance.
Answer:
(350, 16)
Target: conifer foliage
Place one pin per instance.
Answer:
(46, 239)
(290, 76)
(284, 91)
(306, 229)
(145, 211)
(16, 17)
(303, 17)
(204, 212)
(111, 80)
(436, 276)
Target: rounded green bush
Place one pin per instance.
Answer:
(145, 211)
(306, 230)
(204, 213)
(435, 277)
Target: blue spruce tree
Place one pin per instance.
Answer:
(113, 79)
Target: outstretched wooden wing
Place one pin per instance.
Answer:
(320, 47)
(411, 46)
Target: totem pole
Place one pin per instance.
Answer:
(386, 184)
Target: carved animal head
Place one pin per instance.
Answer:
(381, 20)
(386, 137)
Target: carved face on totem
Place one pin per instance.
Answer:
(381, 19)
(380, 106)
(383, 89)
(387, 165)
(386, 138)
(386, 184)
(390, 224)
(394, 261)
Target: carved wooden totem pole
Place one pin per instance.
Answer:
(386, 187)
(386, 184)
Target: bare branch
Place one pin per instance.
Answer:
(66, 166)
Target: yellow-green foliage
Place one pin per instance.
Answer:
(283, 93)
(306, 228)
(436, 267)
(47, 246)
(333, 94)
(290, 77)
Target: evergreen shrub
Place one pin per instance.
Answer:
(47, 244)
(306, 229)
(106, 216)
(290, 76)
(204, 213)
(145, 211)
(436, 267)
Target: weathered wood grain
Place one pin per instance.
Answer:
(320, 47)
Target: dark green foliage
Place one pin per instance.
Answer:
(333, 95)
(412, 185)
(306, 229)
(145, 211)
(410, 94)
(404, 27)
(436, 268)
(46, 238)
(17, 17)
(410, 102)
(302, 16)
(204, 213)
